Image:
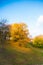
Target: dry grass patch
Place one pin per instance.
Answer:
(20, 48)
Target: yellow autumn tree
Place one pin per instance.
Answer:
(38, 41)
(19, 33)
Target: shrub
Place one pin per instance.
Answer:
(38, 41)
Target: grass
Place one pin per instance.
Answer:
(21, 56)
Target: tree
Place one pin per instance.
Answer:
(4, 32)
(38, 41)
(19, 33)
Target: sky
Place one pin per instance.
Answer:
(26, 11)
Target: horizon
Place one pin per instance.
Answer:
(26, 11)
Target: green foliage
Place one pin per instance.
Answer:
(38, 41)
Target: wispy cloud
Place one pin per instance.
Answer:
(40, 20)
(37, 29)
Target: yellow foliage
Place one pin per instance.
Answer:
(38, 39)
(19, 33)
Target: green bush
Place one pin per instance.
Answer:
(38, 41)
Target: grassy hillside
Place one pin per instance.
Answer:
(21, 56)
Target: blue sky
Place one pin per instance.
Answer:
(27, 11)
